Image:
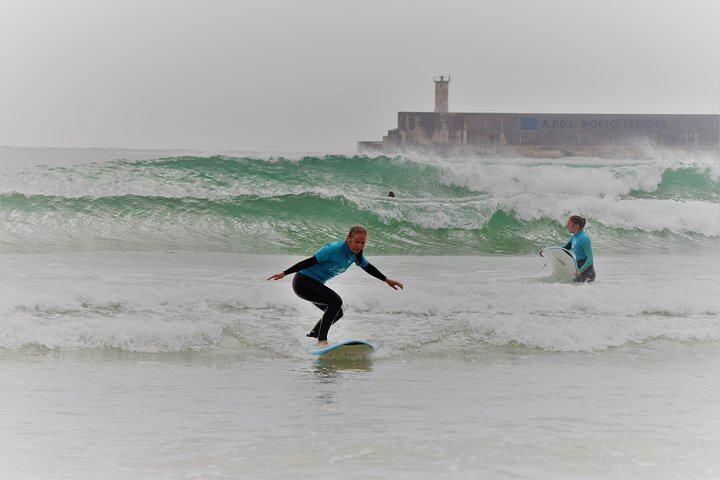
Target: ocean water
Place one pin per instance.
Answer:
(140, 339)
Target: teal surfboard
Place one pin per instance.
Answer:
(350, 349)
(561, 262)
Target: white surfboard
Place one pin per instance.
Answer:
(561, 262)
(347, 349)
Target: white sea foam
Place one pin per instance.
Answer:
(630, 214)
(578, 179)
(186, 302)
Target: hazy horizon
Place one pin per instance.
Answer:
(319, 75)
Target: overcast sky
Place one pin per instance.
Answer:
(318, 75)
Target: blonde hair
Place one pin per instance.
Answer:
(357, 229)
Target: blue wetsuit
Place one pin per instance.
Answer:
(312, 273)
(333, 259)
(581, 245)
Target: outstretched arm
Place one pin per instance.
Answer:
(302, 265)
(370, 268)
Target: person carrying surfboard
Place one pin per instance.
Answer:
(331, 260)
(581, 245)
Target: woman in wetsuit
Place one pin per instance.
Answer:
(331, 260)
(581, 245)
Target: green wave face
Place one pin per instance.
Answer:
(685, 183)
(276, 174)
(280, 205)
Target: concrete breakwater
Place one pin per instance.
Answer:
(543, 134)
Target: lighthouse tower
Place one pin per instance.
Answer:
(441, 93)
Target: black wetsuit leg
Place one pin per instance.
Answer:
(588, 275)
(322, 297)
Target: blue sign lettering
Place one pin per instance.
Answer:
(529, 123)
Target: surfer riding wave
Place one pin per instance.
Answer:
(331, 260)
